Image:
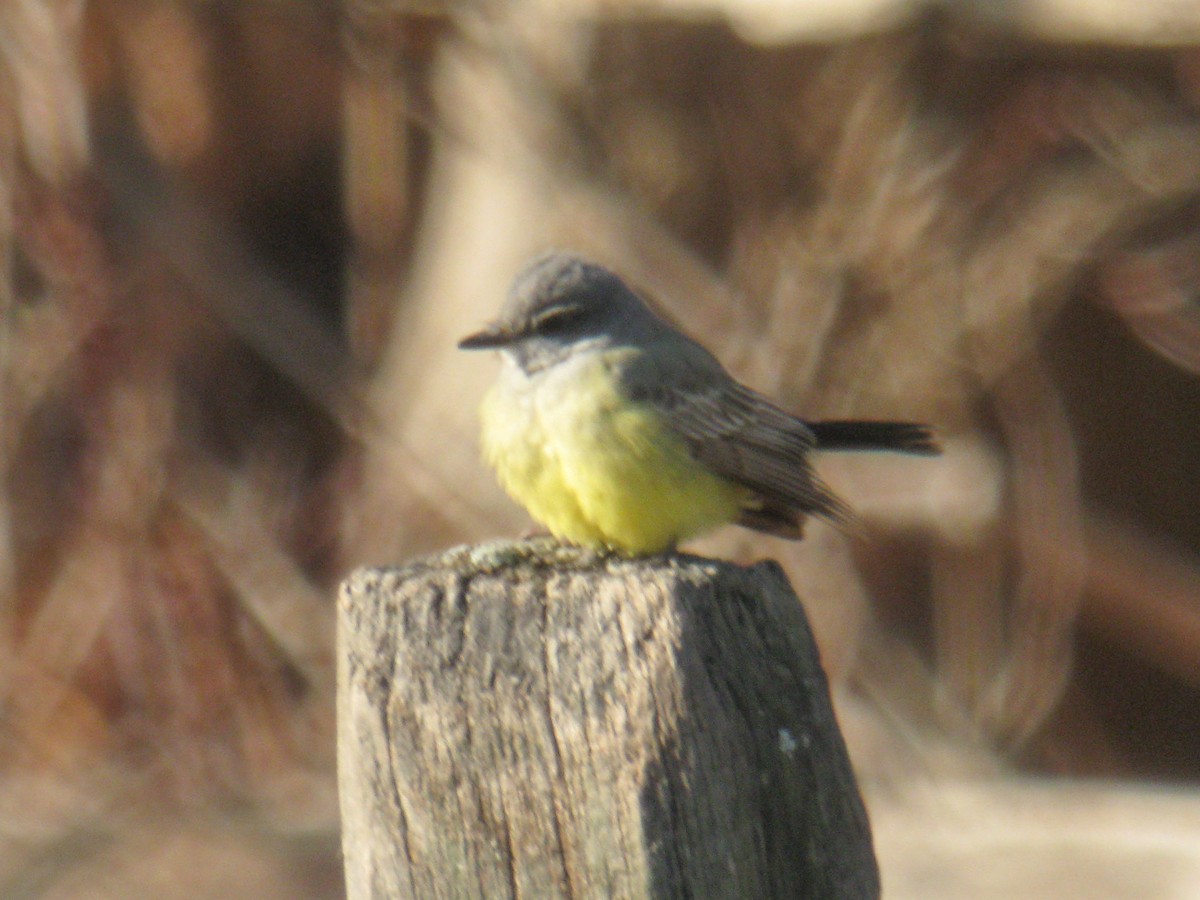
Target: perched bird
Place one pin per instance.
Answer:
(615, 430)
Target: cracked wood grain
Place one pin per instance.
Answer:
(528, 720)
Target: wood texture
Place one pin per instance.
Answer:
(527, 720)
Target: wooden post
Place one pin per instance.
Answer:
(528, 720)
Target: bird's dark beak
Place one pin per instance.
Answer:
(491, 338)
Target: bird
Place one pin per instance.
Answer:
(616, 431)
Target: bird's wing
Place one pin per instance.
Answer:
(737, 433)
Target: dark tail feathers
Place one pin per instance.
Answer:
(902, 437)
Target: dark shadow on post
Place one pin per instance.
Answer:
(782, 797)
(531, 720)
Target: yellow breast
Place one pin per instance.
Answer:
(595, 468)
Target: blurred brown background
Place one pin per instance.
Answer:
(238, 242)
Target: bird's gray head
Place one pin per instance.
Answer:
(560, 304)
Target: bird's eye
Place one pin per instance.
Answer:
(558, 320)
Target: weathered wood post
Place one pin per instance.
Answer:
(527, 720)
